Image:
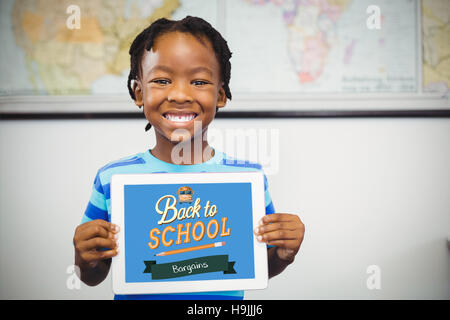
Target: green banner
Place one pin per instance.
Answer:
(189, 267)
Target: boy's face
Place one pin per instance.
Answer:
(180, 83)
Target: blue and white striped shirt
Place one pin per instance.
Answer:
(99, 206)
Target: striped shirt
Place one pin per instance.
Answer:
(99, 206)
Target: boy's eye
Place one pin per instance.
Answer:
(161, 81)
(199, 82)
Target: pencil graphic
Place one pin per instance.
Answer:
(205, 246)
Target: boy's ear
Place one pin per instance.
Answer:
(139, 101)
(221, 98)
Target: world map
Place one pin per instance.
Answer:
(279, 46)
(324, 46)
(436, 45)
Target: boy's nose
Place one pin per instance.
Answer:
(179, 93)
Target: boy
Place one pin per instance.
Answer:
(180, 72)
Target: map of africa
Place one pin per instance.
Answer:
(325, 46)
(279, 46)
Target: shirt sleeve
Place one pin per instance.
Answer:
(96, 207)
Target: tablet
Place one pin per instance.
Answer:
(188, 232)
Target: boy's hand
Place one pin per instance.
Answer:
(283, 230)
(93, 236)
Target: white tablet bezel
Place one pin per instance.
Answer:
(118, 181)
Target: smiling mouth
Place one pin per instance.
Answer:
(180, 117)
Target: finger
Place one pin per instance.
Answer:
(275, 226)
(95, 228)
(94, 231)
(97, 243)
(103, 223)
(108, 225)
(277, 217)
(94, 256)
(278, 235)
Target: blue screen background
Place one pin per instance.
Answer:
(233, 200)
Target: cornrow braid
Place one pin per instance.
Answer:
(193, 25)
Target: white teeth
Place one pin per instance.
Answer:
(179, 118)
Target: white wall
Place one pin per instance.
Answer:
(370, 192)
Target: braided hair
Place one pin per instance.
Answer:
(193, 25)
